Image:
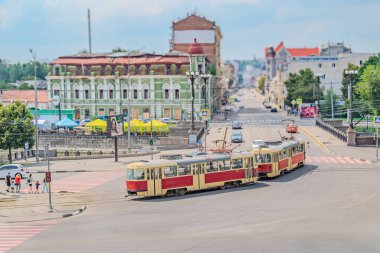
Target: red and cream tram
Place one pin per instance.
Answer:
(276, 158)
(163, 177)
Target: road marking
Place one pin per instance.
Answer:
(13, 235)
(335, 160)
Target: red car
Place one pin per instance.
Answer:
(291, 128)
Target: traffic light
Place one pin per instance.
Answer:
(151, 141)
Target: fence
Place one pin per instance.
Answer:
(331, 129)
(97, 142)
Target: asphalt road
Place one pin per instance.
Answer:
(322, 207)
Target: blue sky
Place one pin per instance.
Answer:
(59, 27)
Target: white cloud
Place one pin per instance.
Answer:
(9, 11)
(112, 8)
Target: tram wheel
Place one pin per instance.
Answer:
(181, 192)
(237, 184)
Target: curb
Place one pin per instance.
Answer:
(325, 149)
(80, 210)
(316, 140)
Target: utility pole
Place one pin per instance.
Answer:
(129, 110)
(48, 176)
(351, 74)
(35, 102)
(151, 135)
(89, 31)
(332, 101)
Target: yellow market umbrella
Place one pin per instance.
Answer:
(157, 126)
(97, 124)
(136, 125)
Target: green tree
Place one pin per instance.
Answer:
(25, 86)
(368, 87)
(212, 69)
(261, 83)
(303, 85)
(118, 49)
(4, 86)
(326, 107)
(16, 127)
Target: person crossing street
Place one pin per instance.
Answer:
(8, 181)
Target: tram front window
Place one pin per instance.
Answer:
(264, 158)
(135, 174)
(237, 163)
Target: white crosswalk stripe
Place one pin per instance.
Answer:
(12, 235)
(335, 160)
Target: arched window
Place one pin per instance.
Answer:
(203, 92)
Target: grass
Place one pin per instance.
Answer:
(363, 129)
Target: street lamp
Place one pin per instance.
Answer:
(34, 56)
(205, 78)
(192, 76)
(351, 74)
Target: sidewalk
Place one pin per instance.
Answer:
(333, 146)
(24, 207)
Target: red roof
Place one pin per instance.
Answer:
(303, 51)
(195, 48)
(25, 96)
(296, 52)
(122, 60)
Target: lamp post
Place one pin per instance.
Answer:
(34, 56)
(351, 74)
(319, 76)
(192, 76)
(205, 78)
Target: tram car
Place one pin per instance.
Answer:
(167, 177)
(276, 158)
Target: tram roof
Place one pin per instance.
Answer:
(196, 159)
(276, 146)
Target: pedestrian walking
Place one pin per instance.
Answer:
(18, 182)
(37, 186)
(29, 181)
(12, 186)
(44, 186)
(8, 181)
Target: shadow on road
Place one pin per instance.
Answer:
(198, 194)
(293, 175)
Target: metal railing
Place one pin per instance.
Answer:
(337, 133)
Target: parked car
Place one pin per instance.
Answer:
(14, 169)
(237, 125)
(257, 143)
(227, 109)
(273, 109)
(236, 137)
(237, 100)
(165, 120)
(84, 122)
(267, 105)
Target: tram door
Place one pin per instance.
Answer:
(154, 177)
(249, 169)
(198, 171)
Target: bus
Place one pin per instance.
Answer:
(178, 177)
(276, 158)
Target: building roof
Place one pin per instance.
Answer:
(121, 59)
(296, 52)
(24, 96)
(195, 48)
(192, 22)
